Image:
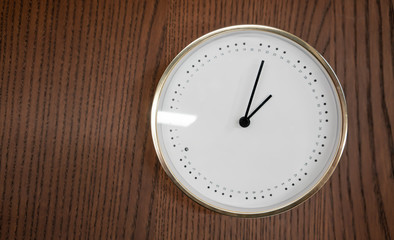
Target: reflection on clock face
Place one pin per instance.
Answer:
(290, 141)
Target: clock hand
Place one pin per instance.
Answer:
(254, 88)
(245, 121)
(261, 104)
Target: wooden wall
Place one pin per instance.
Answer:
(76, 87)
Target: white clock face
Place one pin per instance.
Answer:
(252, 160)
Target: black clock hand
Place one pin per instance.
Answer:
(245, 121)
(254, 88)
(261, 104)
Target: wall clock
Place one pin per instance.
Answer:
(249, 120)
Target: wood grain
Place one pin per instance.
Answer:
(77, 81)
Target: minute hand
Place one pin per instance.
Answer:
(254, 88)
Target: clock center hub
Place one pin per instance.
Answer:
(244, 122)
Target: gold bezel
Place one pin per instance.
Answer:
(314, 53)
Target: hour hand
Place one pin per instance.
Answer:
(261, 104)
(245, 120)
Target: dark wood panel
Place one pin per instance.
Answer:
(77, 81)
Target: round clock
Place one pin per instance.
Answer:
(249, 120)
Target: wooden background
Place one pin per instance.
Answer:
(77, 81)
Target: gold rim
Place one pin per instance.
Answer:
(314, 53)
